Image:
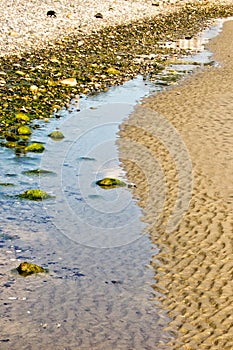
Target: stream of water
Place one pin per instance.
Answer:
(98, 293)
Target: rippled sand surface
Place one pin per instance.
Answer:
(194, 269)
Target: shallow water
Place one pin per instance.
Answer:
(98, 293)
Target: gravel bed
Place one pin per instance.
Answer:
(25, 24)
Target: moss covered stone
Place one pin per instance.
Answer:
(34, 195)
(23, 117)
(35, 147)
(10, 144)
(24, 130)
(56, 135)
(109, 182)
(26, 269)
(38, 172)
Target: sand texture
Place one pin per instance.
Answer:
(194, 268)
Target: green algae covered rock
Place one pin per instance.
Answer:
(109, 182)
(35, 195)
(56, 135)
(38, 172)
(6, 184)
(26, 269)
(22, 117)
(11, 144)
(35, 147)
(24, 130)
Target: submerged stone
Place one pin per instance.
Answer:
(6, 184)
(56, 135)
(34, 195)
(38, 172)
(35, 147)
(109, 182)
(26, 269)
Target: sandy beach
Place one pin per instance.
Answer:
(194, 267)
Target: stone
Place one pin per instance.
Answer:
(109, 182)
(35, 147)
(25, 269)
(34, 195)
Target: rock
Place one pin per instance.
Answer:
(69, 81)
(34, 195)
(35, 147)
(24, 130)
(51, 13)
(6, 184)
(99, 15)
(11, 144)
(11, 137)
(109, 182)
(113, 71)
(34, 89)
(38, 172)
(26, 269)
(56, 135)
(20, 116)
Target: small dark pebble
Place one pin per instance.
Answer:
(51, 13)
(4, 340)
(99, 15)
(114, 282)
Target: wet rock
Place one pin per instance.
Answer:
(26, 269)
(35, 147)
(35, 195)
(56, 135)
(38, 172)
(12, 137)
(24, 130)
(10, 144)
(109, 182)
(6, 184)
(22, 117)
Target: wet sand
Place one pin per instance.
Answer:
(194, 268)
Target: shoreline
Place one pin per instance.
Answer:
(193, 270)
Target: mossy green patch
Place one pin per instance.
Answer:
(38, 172)
(25, 269)
(34, 195)
(109, 182)
(24, 130)
(56, 135)
(35, 147)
